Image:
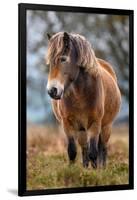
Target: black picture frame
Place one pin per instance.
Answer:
(22, 8)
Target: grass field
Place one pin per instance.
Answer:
(48, 166)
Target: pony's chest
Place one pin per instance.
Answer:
(76, 114)
(76, 106)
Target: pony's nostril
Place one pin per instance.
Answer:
(53, 91)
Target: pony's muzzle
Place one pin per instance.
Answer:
(55, 89)
(53, 93)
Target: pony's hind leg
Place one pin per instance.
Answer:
(82, 139)
(72, 151)
(102, 144)
(93, 151)
(102, 152)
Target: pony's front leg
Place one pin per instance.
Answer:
(93, 138)
(71, 147)
(82, 139)
(72, 150)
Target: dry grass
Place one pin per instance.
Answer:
(47, 161)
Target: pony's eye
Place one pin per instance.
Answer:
(63, 59)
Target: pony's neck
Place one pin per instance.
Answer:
(83, 91)
(82, 84)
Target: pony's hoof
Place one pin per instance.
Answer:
(94, 164)
(85, 165)
(71, 162)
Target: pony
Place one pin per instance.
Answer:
(85, 96)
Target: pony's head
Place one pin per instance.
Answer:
(66, 54)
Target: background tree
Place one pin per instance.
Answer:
(108, 34)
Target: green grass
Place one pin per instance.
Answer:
(53, 171)
(48, 165)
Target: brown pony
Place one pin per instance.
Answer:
(85, 95)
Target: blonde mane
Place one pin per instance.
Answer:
(85, 54)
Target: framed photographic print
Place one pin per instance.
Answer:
(75, 99)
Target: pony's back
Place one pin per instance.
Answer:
(107, 67)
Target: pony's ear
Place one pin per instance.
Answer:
(49, 36)
(66, 39)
